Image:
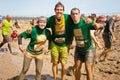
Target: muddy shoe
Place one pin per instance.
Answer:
(70, 71)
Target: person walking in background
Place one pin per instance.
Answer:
(35, 49)
(6, 31)
(95, 33)
(108, 36)
(16, 24)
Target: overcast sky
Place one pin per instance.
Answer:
(46, 7)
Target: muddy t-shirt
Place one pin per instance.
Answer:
(81, 31)
(38, 38)
(60, 36)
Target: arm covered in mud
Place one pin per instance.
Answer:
(49, 40)
(22, 35)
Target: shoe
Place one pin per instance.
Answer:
(70, 71)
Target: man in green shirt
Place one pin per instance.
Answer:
(38, 36)
(84, 51)
(60, 25)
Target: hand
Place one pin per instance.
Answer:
(98, 45)
(88, 20)
(21, 48)
(114, 39)
(47, 52)
(71, 46)
(29, 29)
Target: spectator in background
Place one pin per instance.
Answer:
(16, 24)
(108, 35)
(95, 33)
(14, 35)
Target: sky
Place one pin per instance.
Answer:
(35, 8)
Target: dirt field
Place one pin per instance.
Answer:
(11, 65)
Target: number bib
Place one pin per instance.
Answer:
(80, 43)
(60, 40)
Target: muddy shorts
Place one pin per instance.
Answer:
(88, 56)
(59, 53)
(6, 38)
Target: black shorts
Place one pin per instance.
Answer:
(87, 56)
(107, 40)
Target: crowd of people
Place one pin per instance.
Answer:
(64, 29)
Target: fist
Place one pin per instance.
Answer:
(88, 20)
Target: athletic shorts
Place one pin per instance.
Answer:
(87, 56)
(6, 38)
(107, 40)
(59, 53)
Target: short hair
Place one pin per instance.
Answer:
(93, 14)
(59, 4)
(8, 16)
(75, 9)
(42, 18)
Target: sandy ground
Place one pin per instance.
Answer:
(11, 65)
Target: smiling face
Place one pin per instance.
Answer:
(59, 10)
(42, 24)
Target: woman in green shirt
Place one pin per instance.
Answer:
(38, 36)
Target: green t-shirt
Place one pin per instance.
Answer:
(58, 38)
(36, 33)
(6, 28)
(81, 31)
